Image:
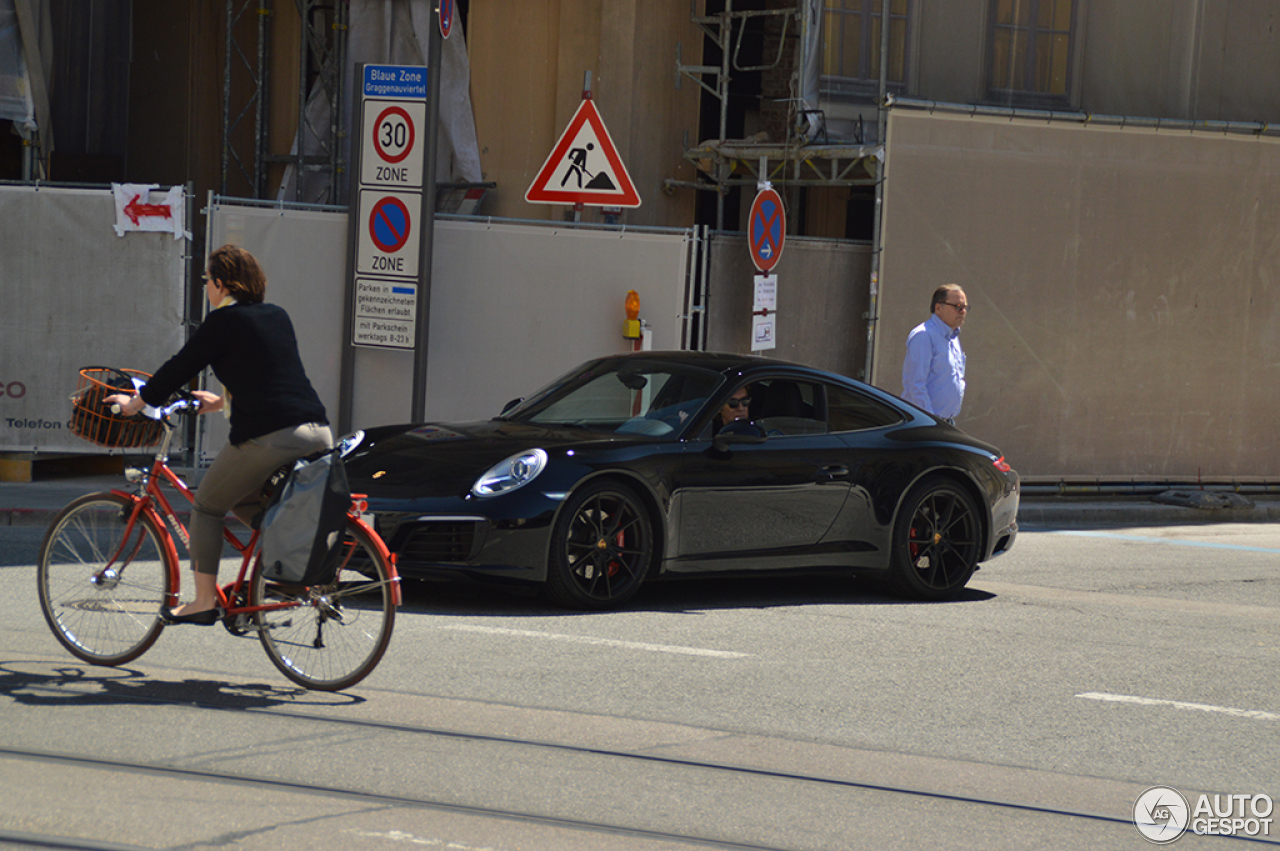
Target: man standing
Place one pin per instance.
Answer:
(933, 371)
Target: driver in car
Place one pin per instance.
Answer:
(735, 408)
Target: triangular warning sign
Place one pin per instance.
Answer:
(584, 167)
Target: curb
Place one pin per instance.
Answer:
(1067, 512)
(42, 517)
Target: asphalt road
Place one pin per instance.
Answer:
(805, 713)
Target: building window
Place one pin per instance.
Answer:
(1031, 51)
(851, 46)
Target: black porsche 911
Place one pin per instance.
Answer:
(635, 467)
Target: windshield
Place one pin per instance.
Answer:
(625, 395)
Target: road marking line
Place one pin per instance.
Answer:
(401, 836)
(1256, 714)
(1151, 539)
(600, 642)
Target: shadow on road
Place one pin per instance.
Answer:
(673, 596)
(73, 684)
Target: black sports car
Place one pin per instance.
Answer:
(658, 464)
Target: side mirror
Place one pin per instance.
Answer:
(512, 404)
(738, 433)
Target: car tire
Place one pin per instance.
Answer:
(937, 541)
(602, 547)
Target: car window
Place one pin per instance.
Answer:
(849, 410)
(632, 397)
(785, 406)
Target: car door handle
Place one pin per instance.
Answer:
(833, 471)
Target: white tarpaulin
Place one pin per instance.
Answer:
(15, 84)
(75, 296)
(512, 306)
(395, 32)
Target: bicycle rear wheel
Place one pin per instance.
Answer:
(102, 583)
(336, 634)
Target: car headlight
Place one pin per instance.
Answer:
(349, 443)
(515, 472)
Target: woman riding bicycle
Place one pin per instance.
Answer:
(276, 416)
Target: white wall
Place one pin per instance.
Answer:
(75, 295)
(513, 305)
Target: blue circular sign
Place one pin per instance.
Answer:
(766, 229)
(389, 225)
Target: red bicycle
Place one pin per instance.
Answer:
(109, 562)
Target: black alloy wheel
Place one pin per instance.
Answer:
(937, 541)
(601, 549)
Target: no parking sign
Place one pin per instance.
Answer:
(766, 229)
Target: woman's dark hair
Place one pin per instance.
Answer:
(239, 272)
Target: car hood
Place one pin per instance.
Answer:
(444, 459)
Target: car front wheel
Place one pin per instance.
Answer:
(937, 541)
(601, 549)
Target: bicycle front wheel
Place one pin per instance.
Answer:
(101, 581)
(332, 636)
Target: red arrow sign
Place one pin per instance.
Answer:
(136, 211)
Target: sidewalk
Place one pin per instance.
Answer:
(36, 503)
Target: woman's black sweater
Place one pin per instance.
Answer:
(254, 353)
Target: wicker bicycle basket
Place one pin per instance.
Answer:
(94, 421)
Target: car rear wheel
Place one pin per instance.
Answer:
(937, 541)
(601, 549)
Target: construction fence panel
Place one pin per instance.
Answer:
(512, 306)
(76, 295)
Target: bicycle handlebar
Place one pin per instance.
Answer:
(162, 413)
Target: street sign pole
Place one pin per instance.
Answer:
(766, 235)
(347, 366)
(386, 267)
(418, 408)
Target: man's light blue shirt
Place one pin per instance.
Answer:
(933, 371)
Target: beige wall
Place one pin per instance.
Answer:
(1125, 288)
(1202, 59)
(822, 298)
(528, 61)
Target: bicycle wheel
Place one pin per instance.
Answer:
(102, 583)
(336, 634)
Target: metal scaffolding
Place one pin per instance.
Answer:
(798, 160)
(246, 106)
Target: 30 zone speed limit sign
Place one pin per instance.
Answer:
(392, 151)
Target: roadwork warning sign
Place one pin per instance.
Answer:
(584, 167)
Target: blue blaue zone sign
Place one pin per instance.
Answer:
(395, 82)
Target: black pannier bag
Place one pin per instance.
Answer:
(303, 526)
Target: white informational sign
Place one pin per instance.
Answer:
(762, 333)
(766, 293)
(389, 206)
(764, 313)
(386, 312)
